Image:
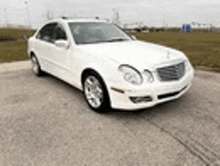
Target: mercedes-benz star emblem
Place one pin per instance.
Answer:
(168, 55)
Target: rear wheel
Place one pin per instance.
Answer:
(95, 92)
(36, 66)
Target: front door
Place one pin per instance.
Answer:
(61, 55)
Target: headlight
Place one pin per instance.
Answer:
(148, 76)
(131, 75)
(187, 65)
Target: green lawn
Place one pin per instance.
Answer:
(203, 49)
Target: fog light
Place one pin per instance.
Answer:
(141, 99)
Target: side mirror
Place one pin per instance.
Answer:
(62, 43)
(133, 37)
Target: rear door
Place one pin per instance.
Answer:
(44, 46)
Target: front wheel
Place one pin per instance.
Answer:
(95, 93)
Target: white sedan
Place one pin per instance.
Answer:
(111, 68)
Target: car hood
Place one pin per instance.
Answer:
(136, 53)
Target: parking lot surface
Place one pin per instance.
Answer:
(46, 122)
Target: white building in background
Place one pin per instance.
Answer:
(132, 25)
(202, 26)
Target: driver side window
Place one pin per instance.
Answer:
(47, 33)
(60, 34)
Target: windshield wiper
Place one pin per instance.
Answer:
(103, 41)
(116, 39)
(83, 42)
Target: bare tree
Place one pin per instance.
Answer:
(28, 15)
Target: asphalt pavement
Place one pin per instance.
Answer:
(46, 122)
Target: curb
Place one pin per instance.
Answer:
(14, 66)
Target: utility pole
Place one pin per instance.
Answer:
(28, 15)
(116, 19)
(49, 15)
(164, 22)
(6, 18)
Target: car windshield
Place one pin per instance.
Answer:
(90, 32)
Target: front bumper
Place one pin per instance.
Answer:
(155, 93)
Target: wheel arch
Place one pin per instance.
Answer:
(88, 71)
(31, 54)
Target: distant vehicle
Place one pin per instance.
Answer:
(187, 28)
(111, 68)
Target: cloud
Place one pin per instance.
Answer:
(153, 12)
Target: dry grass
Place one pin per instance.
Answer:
(14, 50)
(16, 33)
(201, 48)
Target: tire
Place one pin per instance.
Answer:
(36, 66)
(95, 93)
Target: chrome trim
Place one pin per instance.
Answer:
(172, 72)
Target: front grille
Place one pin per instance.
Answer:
(171, 73)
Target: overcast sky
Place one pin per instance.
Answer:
(150, 12)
